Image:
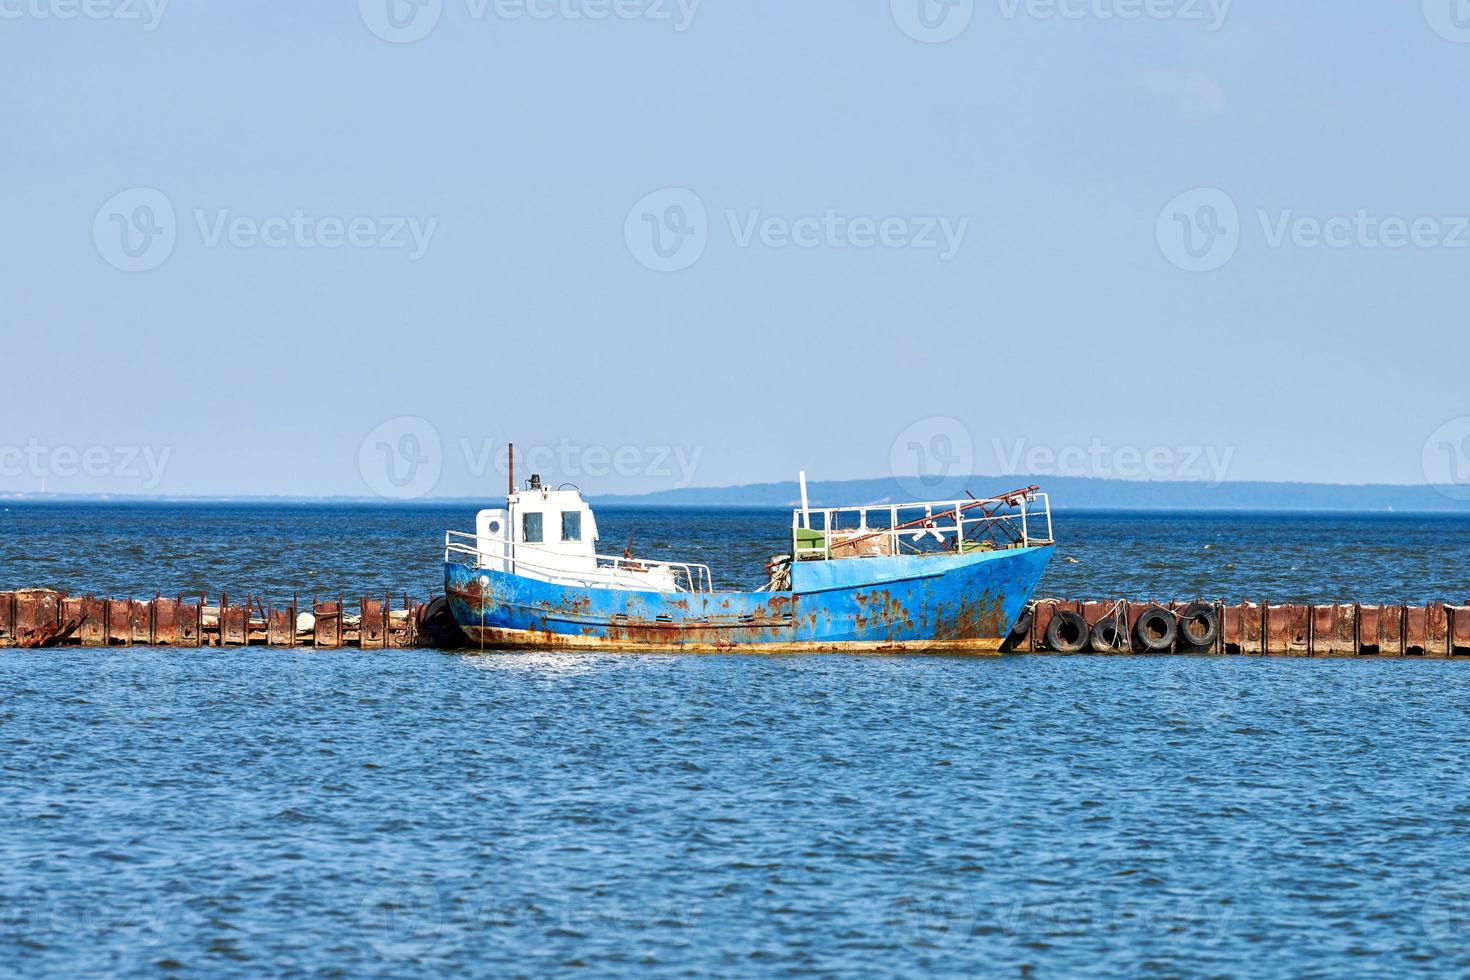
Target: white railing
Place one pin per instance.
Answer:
(464, 548)
(1014, 520)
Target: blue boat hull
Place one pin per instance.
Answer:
(932, 603)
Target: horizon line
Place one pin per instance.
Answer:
(614, 497)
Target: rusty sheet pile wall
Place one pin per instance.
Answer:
(1249, 629)
(46, 619)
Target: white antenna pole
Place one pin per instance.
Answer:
(806, 517)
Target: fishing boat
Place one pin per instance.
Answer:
(937, 576)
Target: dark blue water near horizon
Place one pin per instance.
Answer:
(414, 813)
(138, 549)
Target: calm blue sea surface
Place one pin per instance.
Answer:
(415, 813)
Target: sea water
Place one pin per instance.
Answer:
(407, 813)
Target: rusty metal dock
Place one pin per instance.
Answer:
(41, 618)
(1436, 630)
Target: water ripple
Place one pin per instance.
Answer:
(207, 812)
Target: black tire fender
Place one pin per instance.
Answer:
(1109, 635)
(1067, 632)
(1156, 629)
(1199, 626)
(439, 626)
(1023, 623)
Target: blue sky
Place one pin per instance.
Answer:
(363, 251)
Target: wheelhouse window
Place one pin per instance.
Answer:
(571, 525)
(531, 528)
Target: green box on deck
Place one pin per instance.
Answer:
(808, 540)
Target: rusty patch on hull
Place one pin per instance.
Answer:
(493, 638)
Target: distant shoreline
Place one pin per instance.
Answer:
(1075, 494)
